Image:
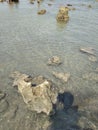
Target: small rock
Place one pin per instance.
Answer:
(41, 12)
(88, 50)
(55, 60)
(62, 76)
(49, 4)
(93, 58)
(89, 6)
(91, 76)
(69, 4)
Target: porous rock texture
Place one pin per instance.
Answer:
(38, 93)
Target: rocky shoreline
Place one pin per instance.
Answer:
(46, 101)
(37, 102)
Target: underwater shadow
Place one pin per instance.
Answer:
(67, 115)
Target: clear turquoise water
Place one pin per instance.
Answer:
(28, 40)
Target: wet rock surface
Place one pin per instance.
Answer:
(38, 93)
(88, 50)
(62, 76)
(55, 60)
(62, 15)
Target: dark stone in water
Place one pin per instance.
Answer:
(69, 5)
(66, 98)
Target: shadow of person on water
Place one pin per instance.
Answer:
(67, 115)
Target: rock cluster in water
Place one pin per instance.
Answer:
(38, 93)
(63, 14)
(55, 60)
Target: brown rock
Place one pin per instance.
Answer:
(62, 76)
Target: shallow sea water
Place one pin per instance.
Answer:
(28, 40)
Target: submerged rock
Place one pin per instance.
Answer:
(63, 14)
(38, 93)
(93, 58)
(62, 76)
(88, 50)
(55, 60)
(42, 11)
(32, 1)
(91, 76)
(89, 6)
